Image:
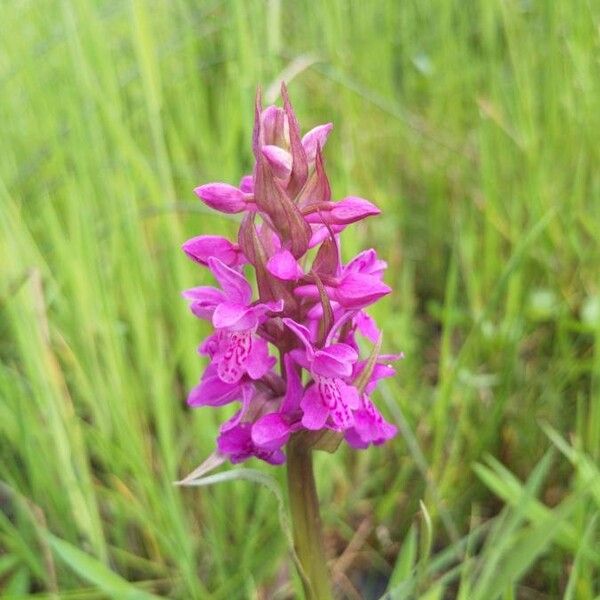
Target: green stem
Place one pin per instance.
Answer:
(306, 522)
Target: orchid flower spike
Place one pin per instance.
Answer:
(284, 320)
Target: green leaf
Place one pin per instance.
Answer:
(18, 584)
(93, 571)
(407, 557)
(576, 570)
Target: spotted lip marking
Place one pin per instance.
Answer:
(232, 364)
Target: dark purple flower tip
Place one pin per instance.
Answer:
(222, 197)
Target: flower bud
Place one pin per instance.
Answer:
(346, 211)
(274, 127)
(247, 184)
(279, 160)
(316, 137)
(222, 197)
(202, 247)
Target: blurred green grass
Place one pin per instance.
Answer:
(475, 127)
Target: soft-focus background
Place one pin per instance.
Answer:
(473, 125)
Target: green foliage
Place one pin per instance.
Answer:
(93, 571)
(473, 125)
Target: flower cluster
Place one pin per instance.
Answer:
(310, 305)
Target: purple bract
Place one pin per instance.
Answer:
(285, 348)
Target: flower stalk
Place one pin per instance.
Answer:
(306, 521)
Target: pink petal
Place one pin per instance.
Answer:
(210, 345)
(340, 405)
(284, 266)
(201, 311)
(341, 417)
(204, 293)
(357, 290)
(379, 372)
(366, 262)
(386, 432)
(271, 431)
(235, 442)
(341, 352)
(367, 326)
(294, 390)
(370, 426)
(316, 312)
(273, 305)
(204, 300)
(315, 412)
(300, 358)
(342, 317)
(353, 438)
(234, 284)
(334, 361)
(310, 291)
(302, 332)
(213, 392)
(258, 311)
(259, 362)
(351, 396)
(276, 457)
(319, 234)
(233, 316)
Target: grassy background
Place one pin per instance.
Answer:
(474, 125)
